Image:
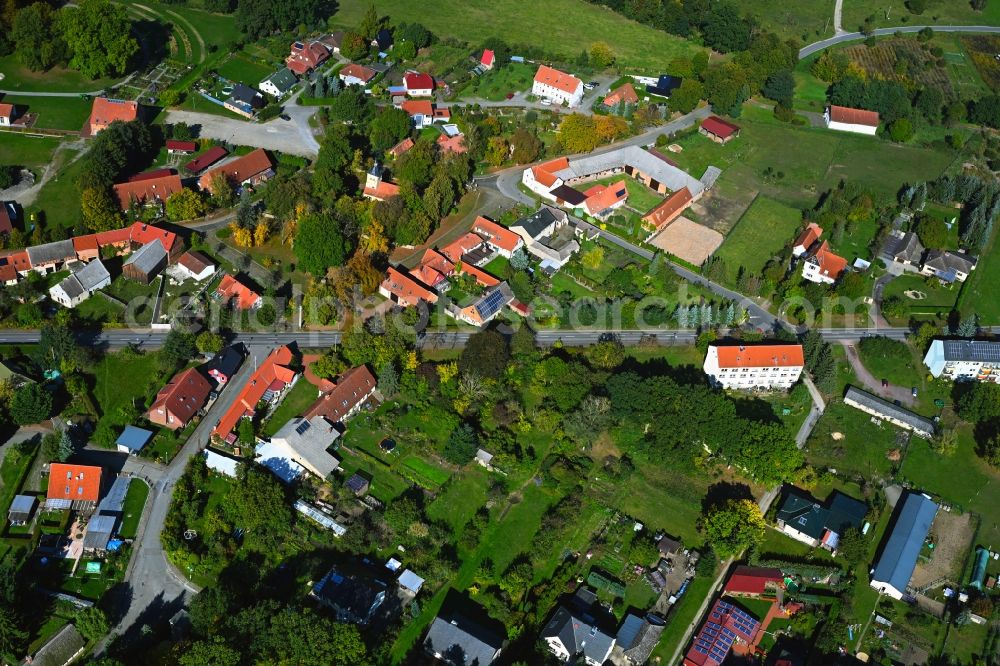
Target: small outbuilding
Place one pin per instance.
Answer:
(133, 439)
(21, 509)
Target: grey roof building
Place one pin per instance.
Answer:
(280, 82)
(574, 634)
(462, 642)
(21, 509)
(804, 518)
(99, 531)
(949, 266)
(114, 502)
(77, 287)
(245, 94)
(303, 442)
(898, 559)
(635, 158)
(56, 252)
(964, 359)
(144, 264)
(539, 223)
(883, 409)
(354, 599)
(636, 639)
(61, 649)
(909, 250)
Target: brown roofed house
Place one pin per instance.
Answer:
(252, 168)
(352, 389)
(180, 400)
(668, 210)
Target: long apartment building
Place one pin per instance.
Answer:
(964, 360)
(754, 367)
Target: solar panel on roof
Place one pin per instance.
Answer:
(491, 304)
(699, 649)
(302, 427)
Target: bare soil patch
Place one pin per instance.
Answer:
(692, 242)
(951, 535)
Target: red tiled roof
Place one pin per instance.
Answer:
(305, 57)
(559, 80)
(6, 111)
(623, 93)
(358, 72)
(809, 235)
(274, 368)
(719, 127)
(668, 209)
(146, 190)
(143, 234)
(186, 146)
(351, 389)
(407, 290)
(6, 224)
(239, 170)
(78, 483)
(382, 191)
(18, 259)
(487, 58)
(830, 264)
(149, 175)
(466, 243)
(452, 144)
(401, 147)
(760, 356)
(418, 81)
(845, 114)
(105, 111)
(233, 290)
(442, 113)
(500, 236)
(605, 197)
(85, 243)
(115, 237)
(433, 268)
(545, 173)
(206, 159)
(195, 262)
(483, 278)
(415, 107)
(752, 580)
(182, 398)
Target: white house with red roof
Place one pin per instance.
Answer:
(846, 119)
(305, 57)
(558, 86)
(749, 367)
(418, 84)
(823, 266)
(488, 61)
(501, 239)
(807, 239)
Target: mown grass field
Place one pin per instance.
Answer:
(979, 292)
(29, 151)
(496, 84)
(69, 113)
(293, 404)
(57, 79)
(460, 499)
(862, 446)
(241, 69)
(765, 228)
(135, 500)
(111, 392)
(941, 12)
(563, 27)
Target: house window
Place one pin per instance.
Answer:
(79, 490)
(67, 491)
(69, 475)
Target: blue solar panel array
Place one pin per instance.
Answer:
(490, 304)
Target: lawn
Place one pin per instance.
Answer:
(661, 499)
(240, 68)
(423, 473)
(779, 545)
(940, 12)
(67, 113)
(938, 302)
(58, 198)
(681, 616)
(460, 499)
(862, 446)
(28, 151)
(112, 393)
(640, 197)
(762, 231)
(979, 292)
(293, 404)
(496, 84)
(135, 500)
(16, 464)
(808, 21)
(57, 79)
(385, 485)
(583, 23)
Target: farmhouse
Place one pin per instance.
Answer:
(557, 86)
(266, 384)
(807, 239)
(106, 111)
(949, 266)
(250, 169)
(78, 286)
(145, 263)
(725, 625)
(459, 641)
(964, 360)
(603, 200)
(12, 266)
(76, 487)
(305, 57)
(573, 633)
(279, 83)
(668, 210)
(913, 518)
(719, 130)
(501, 240)
(754, 367)
(823, 266)
(805, 519)
(180, 400)
(356, 75)
(754, 582)
(300, 444)
(233, 292)
(883, 409)
(48, 257)
(131, 441)
(418, 84)
(846, 119)
(346, 398)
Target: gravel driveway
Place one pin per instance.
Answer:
(289, 136)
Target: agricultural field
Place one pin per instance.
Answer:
(762, 231)
(635, 45)
(982, 50)
(905, 60)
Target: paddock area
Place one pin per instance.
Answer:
(688, 240)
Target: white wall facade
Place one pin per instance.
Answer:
(557, 94)
(811, 272)
(743, 379)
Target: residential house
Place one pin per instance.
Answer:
(905, 249)
(459, 641)
(488, 60)
(846, 119)
(912, 521)
(754, 582)
(305, 57)
(807, 239)
(725, 625)
(105, 111)
(279, 84)
(949, 266)
(175, 147)
(376, 188)
(452, 144)
(823, 266)
(241, 297)
(470, 248)
(557, 86)
(719, 130)
(573, 635)
(664, 85)
(421, 112)
(805, 519)
(244, 101)
(180, 400)
(194, 265)
(383, 39)
(80, 285)
(220, 463)
(405, 291)
(145, 263)
(485, 308)
(667, 546)
(668, 210)
(963, 360)
(401, 147)
(60, 650)
(418, 84)
(9, 214)
(542, 179)
(540, 224)
(21, 510)
(883, 409)
(250, 169)
(637, 638)
(6, 114)
(356, 75)
(267, 384)
(206, 159)
(132, 440)
(603, 200)
(301, 444)
(333, 41)
(13, 265)
(548, 236)
(76, 487)
(351, 391)
(151, 174)
(754, 367)
(623, 94)
(353, 599)
(502, 240)
(224, 365)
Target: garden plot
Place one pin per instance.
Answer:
(951, 535)
(903, 60)
(692, 242)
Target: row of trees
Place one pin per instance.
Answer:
(980, 201)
